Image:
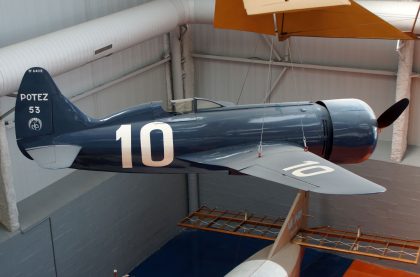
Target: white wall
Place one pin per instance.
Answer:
(115, 223)
(392, 213)
(218, 80)
(414, 125)
(48, 15)
(224, 80)
(151, 85)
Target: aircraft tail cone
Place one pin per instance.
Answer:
(392, 113)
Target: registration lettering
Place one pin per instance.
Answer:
(38, 70)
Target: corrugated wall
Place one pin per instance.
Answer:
(217, 80)
(114, 225)
(392, 213)
(225, 80)
(18, 23)
(118, 223)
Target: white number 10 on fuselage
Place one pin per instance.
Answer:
(124, 134)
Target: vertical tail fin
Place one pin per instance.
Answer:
(41, 113)
(42, 110)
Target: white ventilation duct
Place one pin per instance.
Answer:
(72, 47)
(69, 48)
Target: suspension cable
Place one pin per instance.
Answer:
(268, 90)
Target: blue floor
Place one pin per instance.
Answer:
(202, 254)
(316, 263)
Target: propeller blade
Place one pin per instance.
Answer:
(392, 113)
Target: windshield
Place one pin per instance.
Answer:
(204, 104)
(189, 105)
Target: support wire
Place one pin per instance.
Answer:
(268, 90)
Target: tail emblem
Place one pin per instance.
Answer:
(35, 124)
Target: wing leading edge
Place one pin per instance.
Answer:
(288, 165)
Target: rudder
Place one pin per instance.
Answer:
(34, 108)
(42, 112)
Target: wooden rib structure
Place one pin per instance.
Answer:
(325, 238)
(357, 243)
(233, 223)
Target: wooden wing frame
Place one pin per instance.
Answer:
(344, 21)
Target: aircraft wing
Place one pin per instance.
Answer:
(288, 165)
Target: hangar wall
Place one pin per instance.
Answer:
(211, 78)
(79, 222)
(90, 214)
(47, 16)
(225, 80)
(88, 225)
(393, 213)
(145, 87)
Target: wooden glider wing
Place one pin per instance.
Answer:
(344, 21)
(288, 165)
(269, 6)
(324, 238)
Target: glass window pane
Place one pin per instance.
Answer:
(205, 105)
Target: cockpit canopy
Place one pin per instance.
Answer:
(192, 105)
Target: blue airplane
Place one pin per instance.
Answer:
(295, 144)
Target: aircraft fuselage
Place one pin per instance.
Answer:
(157, 138)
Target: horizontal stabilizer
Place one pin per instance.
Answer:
(54, 156)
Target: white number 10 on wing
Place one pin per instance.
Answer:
(124, 134)
(308, 168)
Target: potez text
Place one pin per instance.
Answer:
(34, 97)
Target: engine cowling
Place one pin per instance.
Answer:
(353, 130)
